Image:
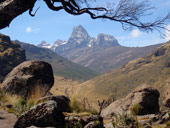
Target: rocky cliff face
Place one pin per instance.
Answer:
(80, 39)
(11, 54)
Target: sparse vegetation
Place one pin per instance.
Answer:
(81, 107)
(104, 103)
(19, 105)
(124, 121)
(135, 109)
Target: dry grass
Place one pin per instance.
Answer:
(35, 95)
(64, 86)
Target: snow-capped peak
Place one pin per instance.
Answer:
(44, 44)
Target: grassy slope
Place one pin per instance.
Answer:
(104, 59)
(151, 69)
(61, 85)
(60, 65)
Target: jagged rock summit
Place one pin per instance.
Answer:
(80, 39)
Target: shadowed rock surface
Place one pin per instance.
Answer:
(42, 115)
(28, 78)
(145, 96)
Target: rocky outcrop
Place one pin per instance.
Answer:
(92, 121)
(62, 102)
(11, 54)
(42, 115)
(29, 78)
(166, 100)
(143, 100)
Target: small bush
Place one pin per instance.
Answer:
(81, 107)
(22, 102)
(124, 121)
(135, 109)
(75, 105)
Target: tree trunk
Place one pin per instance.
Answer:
(9, 9)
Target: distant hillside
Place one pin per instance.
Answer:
(61, 66)
(101, 54)
(11, 54)
(153, 69)
(104, 59)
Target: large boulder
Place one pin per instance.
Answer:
(30, 77)
(166, 100)
(42, 115)
(144, 100)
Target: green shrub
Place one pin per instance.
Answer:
(22, 102)
(135, 109)
(124, 121)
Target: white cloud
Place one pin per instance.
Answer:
(135, 33)
(28, 29)
(34, 30)
(167, 33)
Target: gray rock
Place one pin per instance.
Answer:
(29, 77)
(145, 96)
(62, 102)
(42, 115)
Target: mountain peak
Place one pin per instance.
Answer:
(79, 31)
(106, 40)
(44, 44)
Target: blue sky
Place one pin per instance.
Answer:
(49, 26)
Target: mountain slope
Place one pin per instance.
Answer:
(11, 54)
(153, 69)
(104, 59)
(61, 66)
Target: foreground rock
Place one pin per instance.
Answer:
(42, 115)
(7, 120)
(62, 102)
(92, 121)
(166, 101)
(28, 78)
(143, 99)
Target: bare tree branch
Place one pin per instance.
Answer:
(128, 12)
